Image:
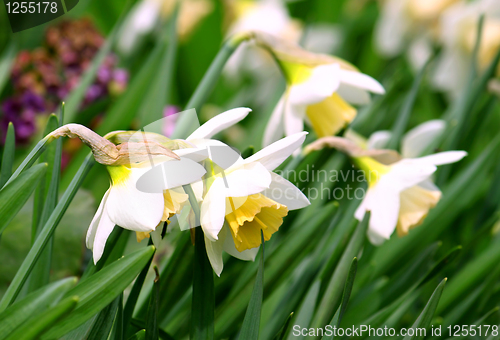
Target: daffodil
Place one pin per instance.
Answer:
(457, 34)
(124, 203)
(319, 90)
(400, 188)
(399, 195)
(246, 198)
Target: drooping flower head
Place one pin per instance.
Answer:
(319, 91)
(400, 190)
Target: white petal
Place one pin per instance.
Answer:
(214, 251)
(391, 28)
(294, 117)
(323, 81)
(213, 209)
(409, 172)
(417, 140)
(275, 154)
(442, 158)
(361, 81)
(95, 222)
(284, 192)
(219, 123)
(274, 128)
(353, 94)
(170, 174)
(382, 201)
(378, 140)
(250, 179)
(103, 231)
(133, 209)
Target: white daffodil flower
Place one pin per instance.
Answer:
(411, 26)
(319, 90)
(244, 199)
(458, 29)
(397, 196)
(415, 200)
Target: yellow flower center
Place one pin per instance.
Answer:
(119, 174)
(249, 215)
(373, 170)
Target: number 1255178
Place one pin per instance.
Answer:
(23, 7)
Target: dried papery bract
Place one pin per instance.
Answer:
(348, 147)
(107, 153)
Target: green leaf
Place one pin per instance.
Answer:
(184, 124)
(284, 330)
(47, 231)
(15, 194)
(6, 61)
(425, 318)
(128, 310)
(33, 304)
(404, 115)
(104, 321)
(203, 299)
(29, 160)
(141, 335)
(9, 150)
(101, 289)
(251, 323)
(36, 326)
(77, 95)
(152, 332)
(44, 203)
(331, 298)
(160, 91)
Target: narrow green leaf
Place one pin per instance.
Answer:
(118, 327)
(121, 114)
(33, 303)
(251, 323)
(47, 231)
(128, 310)
(6, 61)
(152, 315)
(77, 95)
(15, 194)
(284, 330)
(404, 115)
(101, 289)
(9, 150)
(160, 91)
(104, 321)
(46, 199)
(29, 160)
(305, 312)
(331, 298)
(36, 326)
(425, 318)
(141, 335)
(206, 85)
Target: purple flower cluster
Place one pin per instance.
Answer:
(42, 78)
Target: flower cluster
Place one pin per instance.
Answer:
(42, 78)
(234, 199)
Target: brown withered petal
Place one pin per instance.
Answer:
(107, 153)
(348, 147)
